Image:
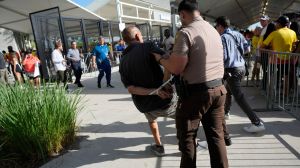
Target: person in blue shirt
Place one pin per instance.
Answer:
(234, 46)
(100, 53)
(120, 46)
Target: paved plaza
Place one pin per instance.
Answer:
(113, 134)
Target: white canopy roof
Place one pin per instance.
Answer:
(243, 13)
(14, 14)
(129, 13)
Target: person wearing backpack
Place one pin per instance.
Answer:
(14, 60)
(234, 46)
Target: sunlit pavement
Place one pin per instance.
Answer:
(113, 134)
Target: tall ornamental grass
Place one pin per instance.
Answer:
(37, 123)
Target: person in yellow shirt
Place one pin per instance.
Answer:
(282, 40)
(256, 67)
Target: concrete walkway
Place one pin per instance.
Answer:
(113, 134)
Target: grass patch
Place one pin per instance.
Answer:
(36, 123)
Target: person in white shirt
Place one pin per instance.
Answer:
(264, 21)
(168, 41)
(59, 63)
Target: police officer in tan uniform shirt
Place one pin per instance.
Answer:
(198, 58)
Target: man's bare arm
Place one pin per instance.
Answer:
(144, 91)
(139, 90)
(167, 75)
(175, 63)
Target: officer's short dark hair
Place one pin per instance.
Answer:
(73, 42)
(223, 21)
(188, 5)
(283, 20)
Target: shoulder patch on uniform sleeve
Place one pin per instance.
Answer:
(179, 34)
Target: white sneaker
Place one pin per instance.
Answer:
(227, 116)
(255, 128)
(201, 146)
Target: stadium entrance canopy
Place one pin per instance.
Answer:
(15, 13)
(243, 13)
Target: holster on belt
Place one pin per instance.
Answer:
(181, 87)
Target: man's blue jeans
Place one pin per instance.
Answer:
(104, 67)
(76, 66)
(233, 77)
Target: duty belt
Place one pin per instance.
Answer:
(205, 85)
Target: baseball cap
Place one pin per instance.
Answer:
(264, 17)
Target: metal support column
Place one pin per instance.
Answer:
(119, 15)
(84, 38)
(150, 23)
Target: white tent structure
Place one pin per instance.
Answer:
(129, 10)
(243, 13)
(15, 13)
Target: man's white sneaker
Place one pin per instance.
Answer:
(227, 116)
(255, 128)
(201, 146)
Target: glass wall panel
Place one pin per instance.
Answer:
(145, 30)
(47, 29)
(92, 33)
(105, 30)
(115, 32)
(73, 32)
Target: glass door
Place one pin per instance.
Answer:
(47, 28)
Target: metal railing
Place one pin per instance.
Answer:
(280, 79)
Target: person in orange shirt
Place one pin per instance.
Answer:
(31, 68)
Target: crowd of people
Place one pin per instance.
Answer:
(208, 67)
(19, 65)
(26, 65)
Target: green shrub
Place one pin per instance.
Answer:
(37, 123)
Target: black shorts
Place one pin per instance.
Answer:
(19, 68)
(31, 77)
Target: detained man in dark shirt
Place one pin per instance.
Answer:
(142, 76)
